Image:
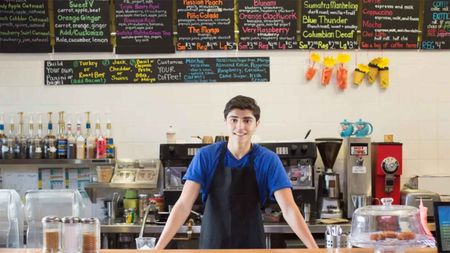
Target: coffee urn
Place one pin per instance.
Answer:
(358, 174)
(387, 168)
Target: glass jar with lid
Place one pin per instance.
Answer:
(51, 228)
(70, 234)
(388, 227)
(91, 235)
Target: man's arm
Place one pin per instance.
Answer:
(179, 213)
(293, 217)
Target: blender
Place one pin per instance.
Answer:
(328, 191)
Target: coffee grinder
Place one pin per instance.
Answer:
(387, 168)
(328, 191)
(358, 174)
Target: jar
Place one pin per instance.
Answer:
(159, 201)
(143, 203)
(91, 235)
(51, 228)
(129, 215)
(70, 234)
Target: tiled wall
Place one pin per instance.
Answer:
(415, 108)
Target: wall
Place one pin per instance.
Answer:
(415, 108)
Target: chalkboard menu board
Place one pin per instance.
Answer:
(329, 24)
(436, 25)
(389, 24)
(267, 24)
(82, 26)
(169, 70)
(24, 27)
(205, 25)
(144, 26)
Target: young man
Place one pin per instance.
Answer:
(235, 178)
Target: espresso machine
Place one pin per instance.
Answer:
(175, 159)
(387, 169)
(328, 191)
(358, 174)
(298, 159)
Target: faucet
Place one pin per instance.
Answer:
(114, 204)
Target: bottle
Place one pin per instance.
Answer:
(10, 141)
(30, 139)
(51, 226)
(38, 142)
(90, 235)
(171, 135)
(61, 140)
(20, 149)
(100, 142)
(110, 148)
(71, 141)
(80, 142)
(90, 139)
(3, 146)
(50, 149)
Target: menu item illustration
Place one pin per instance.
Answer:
(82, 26)
(329, 24)
(24, 27)
(144, 26)
(436, 25)
(360, 72)
(267, 25)
(341, 72)
(205, 25)
(311, 71)
(390, 24)
(327, 71)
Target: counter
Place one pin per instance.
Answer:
(412, 250)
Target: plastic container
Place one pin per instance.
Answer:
(70, 234)
(104, 174)
(51, 229)
(90, 235)
(388, 227)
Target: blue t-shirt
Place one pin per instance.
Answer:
(270, 173)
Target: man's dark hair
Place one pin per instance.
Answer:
(242, 103)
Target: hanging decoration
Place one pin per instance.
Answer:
(384, 72)
(360, 72)
(311, 71)
(341, 72)
(327, 71)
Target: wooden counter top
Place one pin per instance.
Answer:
(412, 250)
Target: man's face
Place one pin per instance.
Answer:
(241, 125)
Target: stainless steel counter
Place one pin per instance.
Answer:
(273, 228)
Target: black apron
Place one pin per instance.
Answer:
(232, 216)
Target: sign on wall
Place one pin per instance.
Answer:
(436, 25)
(205, 25)
(24, 27)
(156, 70)
(144, 27)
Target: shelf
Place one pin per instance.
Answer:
(120, 186)
(73, 163)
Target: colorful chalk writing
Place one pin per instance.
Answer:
(329, 24)
(205, 25)
(24, 27)
(267, 24)
(159, 70)
(144, 26)
(436, 25)
(390, 24)
(82, 26)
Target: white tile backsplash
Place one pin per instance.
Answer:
(415, 107)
